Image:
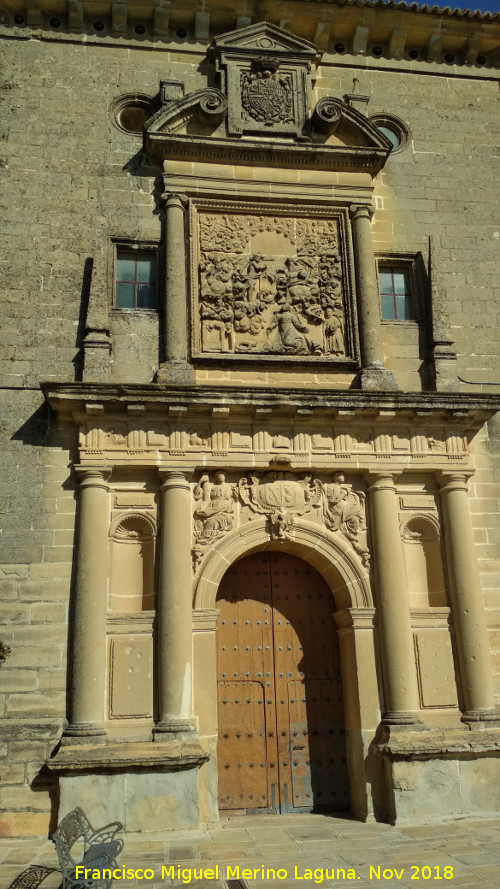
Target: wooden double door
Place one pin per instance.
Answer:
(281, 745)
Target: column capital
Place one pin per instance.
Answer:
(355, 619)
(171, 199)
(174, 478)
(381, 479)
(453, 480)
(364, 211)
(93, 476)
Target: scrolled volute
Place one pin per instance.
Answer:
(327, 114)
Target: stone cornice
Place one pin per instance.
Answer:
(265, 153)
(428, 32)
(456, 744)
(469, 410)
(169, 755)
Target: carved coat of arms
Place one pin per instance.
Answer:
(266, 95)
(280, 497)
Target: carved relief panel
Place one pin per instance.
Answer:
(280, 498)
(272, 282)
(265, 73)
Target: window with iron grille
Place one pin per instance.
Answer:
(135, 279)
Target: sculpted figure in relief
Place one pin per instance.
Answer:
(344, 511)
(214, 513)
(334, 336)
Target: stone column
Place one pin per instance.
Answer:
(175, 368)
(175, 613)
(88, 630)
(469, 619)
(393, 609)
(373, 374)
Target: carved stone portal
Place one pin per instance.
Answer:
(271, 285)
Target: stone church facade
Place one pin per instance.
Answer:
(250, 385)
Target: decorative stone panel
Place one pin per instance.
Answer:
(265, 73)
(271, 281)
(280, 498)
(435, 668)
(130, 676)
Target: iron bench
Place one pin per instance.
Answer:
(32, 877)
(99, 852)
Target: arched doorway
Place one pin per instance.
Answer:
(280, 714)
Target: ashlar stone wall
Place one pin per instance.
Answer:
(72, 181)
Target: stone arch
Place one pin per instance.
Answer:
(329, 554)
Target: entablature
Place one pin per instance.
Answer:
(200, 426)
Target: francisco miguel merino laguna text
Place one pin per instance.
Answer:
(318, 874)
(188, 874)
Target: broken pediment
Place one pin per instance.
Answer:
(260, 112)
(333, 117)
(198, 113)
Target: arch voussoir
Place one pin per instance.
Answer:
(328, 553)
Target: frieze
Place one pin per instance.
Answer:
(299, 439)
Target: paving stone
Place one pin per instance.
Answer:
(478, 858)
(225, 853)
(269, 837)
(488, 872)
(228, 835)
(473, 863)
(181, 853)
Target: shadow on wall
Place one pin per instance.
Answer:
(82, 317)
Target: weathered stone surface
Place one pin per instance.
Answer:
(143, 801)
(76, 184)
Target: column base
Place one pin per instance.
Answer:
(377, 378)
(84, 733)
(473, 718)
(179, 728)
(177, 373)
(404, 718)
